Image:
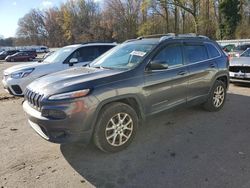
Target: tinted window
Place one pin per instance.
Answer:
(103, 49)
(88, 53)
(170, 55)
(195, 53)
(212, 51)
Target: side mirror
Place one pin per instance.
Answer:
(157, 65)
(73, 61)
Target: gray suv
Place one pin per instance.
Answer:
(105, 100)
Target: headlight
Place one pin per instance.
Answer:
(22, 73)
(70, 95)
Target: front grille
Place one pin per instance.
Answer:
(33, 98)
(239, 69)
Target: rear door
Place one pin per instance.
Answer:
(201, 69)
(166, 88)
(19, 57)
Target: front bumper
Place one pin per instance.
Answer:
(239, 77)
(16, 86)
(75, 127)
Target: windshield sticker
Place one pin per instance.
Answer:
(138, 53)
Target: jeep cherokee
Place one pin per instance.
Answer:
(105, 100)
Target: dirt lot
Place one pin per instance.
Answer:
(186, 148)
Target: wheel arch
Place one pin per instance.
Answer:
(224, 79)
(131, 100)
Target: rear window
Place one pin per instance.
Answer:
(212, 51)
(195, 53)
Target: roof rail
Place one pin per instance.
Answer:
(168, 36)
(131, 40)
(192, 35)
(155, 36)
(90, 42)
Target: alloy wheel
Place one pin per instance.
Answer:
(219, 96)
(119, 129)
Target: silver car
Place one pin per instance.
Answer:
(239, 68)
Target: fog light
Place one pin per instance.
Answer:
(53, 114)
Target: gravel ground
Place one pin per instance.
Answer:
(185, 148)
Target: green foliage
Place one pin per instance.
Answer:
(230, 18)
(77, 21)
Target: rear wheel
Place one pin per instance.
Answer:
(12, 60)
(216, 97)
(116, 127)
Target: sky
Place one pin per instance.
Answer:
(12, 10)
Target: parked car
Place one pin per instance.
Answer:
(239, 50)
(20, 56)
(105, 101)
(32, 53)
(16, 78)
(4, 54)
(239, 69)
(42, 49)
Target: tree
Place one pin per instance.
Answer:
(32, 26)
(190, 6)
(230, 18)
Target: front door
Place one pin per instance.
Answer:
(166, 88)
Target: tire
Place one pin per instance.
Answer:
(217, 97)
(12, 60)
(111, 135)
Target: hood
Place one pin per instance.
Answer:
(21, 67)
(240, 61)
(67, 80)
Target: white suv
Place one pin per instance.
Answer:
(16, 78)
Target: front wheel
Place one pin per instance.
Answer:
(116, 127)
(216, 97)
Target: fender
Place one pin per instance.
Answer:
(118, 98)
(218, 75)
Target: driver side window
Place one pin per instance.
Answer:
(170, 55)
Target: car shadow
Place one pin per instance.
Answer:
(184, 148)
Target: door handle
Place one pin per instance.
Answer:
(212, 65)
(182, 73)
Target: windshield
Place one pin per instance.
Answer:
(59, 55)
(246, 53)
(124, 56)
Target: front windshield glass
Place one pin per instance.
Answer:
(124, 56)
(246, 53)
(59, 55)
